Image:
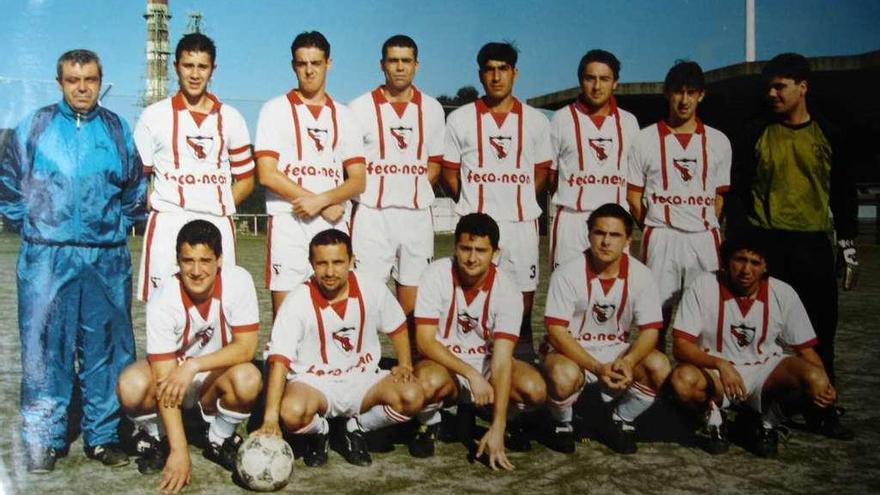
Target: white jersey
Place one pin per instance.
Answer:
(312, 336)
(313, 144)
(469, 320)
(591, 156)
(399, 141)
(193, 157)
(598, 312)
(179, 328)
(680, 175)
(496, 155)
(743, 330)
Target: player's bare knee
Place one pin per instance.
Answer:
(246, 382)
(815, 378)
(657, 367)
(687, 382)
(532, 390)
(563, 381)
(410, 398)
(132, 387)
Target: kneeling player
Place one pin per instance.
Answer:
(325, 342)
(591, 303)
(727, 337)
(201, 336)
(467, 322)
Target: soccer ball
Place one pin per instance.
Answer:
(263, 463)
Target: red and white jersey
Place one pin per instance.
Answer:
(399, 141)
(178, 328)
(591, 156)
(599, 312)
(313, 144)
(743, 330)
(496, 155)
(311, 335)
(469, 320)
(680, 175)
(192, 156)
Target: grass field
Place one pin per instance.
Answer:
(806, 463)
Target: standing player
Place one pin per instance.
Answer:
(727, 336)
(592, 302)
(496, 159)
(592, 138)
(467, 316)
(790, 169)
(391, 230)
(324, 357)
(201, 336)
(198, 151)
(310, 158)
(680, 168)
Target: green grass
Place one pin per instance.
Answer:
(806, 464)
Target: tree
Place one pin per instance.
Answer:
(463, 96)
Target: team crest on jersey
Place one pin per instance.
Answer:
(600, 147)
(318, 136)
(686, 167)
(344, 338)
(467, 323)
(402, 136)
(201, 338)
(501, 145)
(200, 146)
(743, 334)
(603, 312)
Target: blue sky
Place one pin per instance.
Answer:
(253, 39)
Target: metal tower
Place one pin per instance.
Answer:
(156, 86)
(195, 23)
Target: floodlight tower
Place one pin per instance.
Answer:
(750, 30)
(156, 84)
(195, 22)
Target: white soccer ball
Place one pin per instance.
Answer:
(263, 463)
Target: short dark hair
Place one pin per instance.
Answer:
(612, 210)
(601, 56)
(478, 224)
(503, 52)
(195, 42)
(200, 232)
(330, 237)
(79, 56)
(684, 74)
(400, 41)
(789, 65)
(749, 240)
(310, 39)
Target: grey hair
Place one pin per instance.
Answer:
(79, 57)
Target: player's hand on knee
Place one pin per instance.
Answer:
(481, 389)
(825, 398)
(622, 367)
(734, 387)
(402, 374)
(177, 473)
(492, 444)
(172, 388)
(612, 379)
(333, 213)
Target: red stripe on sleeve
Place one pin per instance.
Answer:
(148, 169)
(427, 321)
(676, 333)
(239, 163)
(654, 324)
(163, 356)
(267, 153)
(233, 151)
(546, 164)
(448, 164)
(635, 188)
(506, 336)
(353, 161)
(244, 175)
(549, 320)
(398, 330)
(722, 189)
(253, 327)
(278, 358)
(806, 345)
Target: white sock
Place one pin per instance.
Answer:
(148, 423)
(318, 426)
(772, 416)
(378, 416)
(430, 415)
(224, 424)
(636, 400)
(713, 415)
(562, 411)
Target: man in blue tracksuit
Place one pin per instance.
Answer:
(72, 185)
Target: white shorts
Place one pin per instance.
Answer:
(569, 236)
(677, 258)
(603, 354)
(519, 253)
(345, 393)
(159, 254)
(754, 376)
(287, 258)
(194, 391)
(392, 241)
